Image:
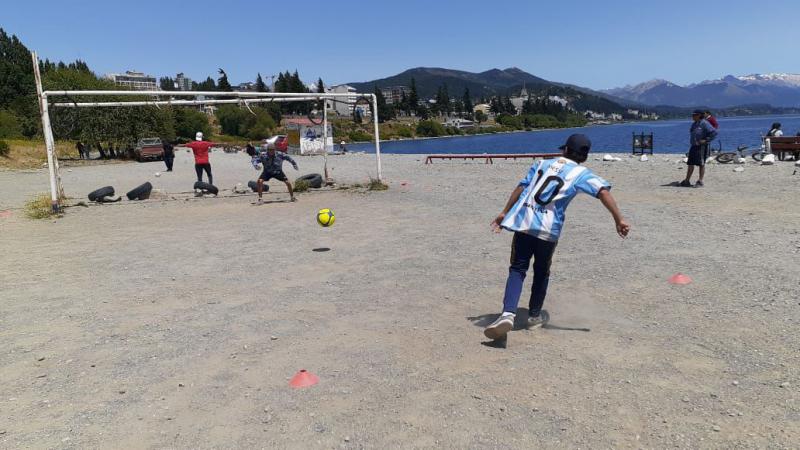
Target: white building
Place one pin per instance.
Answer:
(461, 124)
(343, 105)
(393, 94)
(137, 81)
(182, 82)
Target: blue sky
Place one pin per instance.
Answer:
(598, 44)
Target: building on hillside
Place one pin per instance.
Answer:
(519, 101)
(137, 81)
(591, 115)
(393, 94)
(556, 99)
(485, 108)
(343, 105)
(456, 122)
(182, 82)
(245, 87)
(616, 117)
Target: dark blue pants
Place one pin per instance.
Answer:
(525, 247)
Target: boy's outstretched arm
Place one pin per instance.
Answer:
(611, 205)
(510, 203)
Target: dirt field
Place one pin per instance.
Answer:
(178, 323)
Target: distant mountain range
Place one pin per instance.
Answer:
(780, 90)
(490, 83)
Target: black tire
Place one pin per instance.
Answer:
(96, 196)
(141, 192)
(314, 180)
(206, 187)
(758, 155)
(253, 185)
(725, 158)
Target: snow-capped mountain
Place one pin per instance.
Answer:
(776, 89)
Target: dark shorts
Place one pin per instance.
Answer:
(698, 155)
(266, 176)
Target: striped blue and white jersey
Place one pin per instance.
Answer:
(549, 187)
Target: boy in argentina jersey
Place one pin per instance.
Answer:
(535, 213)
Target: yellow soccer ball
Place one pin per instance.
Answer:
(325, 217)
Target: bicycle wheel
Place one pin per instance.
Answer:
(758, 155)
(725, 158)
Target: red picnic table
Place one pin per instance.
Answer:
(491, 156)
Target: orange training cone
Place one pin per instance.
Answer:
(680, 278)
(303, 379)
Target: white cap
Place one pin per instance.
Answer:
(342, 142)
(198, 136)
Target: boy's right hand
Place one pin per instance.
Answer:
(623, 228)
(497, 221)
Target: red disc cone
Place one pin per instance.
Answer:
(303, 379)
(680, 278)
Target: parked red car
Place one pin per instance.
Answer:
(280, 141)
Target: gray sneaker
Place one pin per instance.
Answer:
(538, 321)
(500, 327)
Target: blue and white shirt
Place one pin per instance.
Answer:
(549, 187)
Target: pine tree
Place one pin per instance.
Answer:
(166, 84)
(222, 82)
(413, 98)
(320, 86)
(466, 101)
(260, 86)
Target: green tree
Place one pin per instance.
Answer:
(166, 84)
(189, 121)
(260, 85)
(430, 128)
(9, 125)
(413, 98)
(222, 82)
(385, 111)
(320, 86)
(17, 88)
(466, 101)
(480, 117)
(207, 85)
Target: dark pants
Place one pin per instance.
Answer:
(169, 160)
(199, 169)
(525, 247)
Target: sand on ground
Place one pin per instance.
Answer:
(177, 322)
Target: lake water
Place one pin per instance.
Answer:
(670, 136)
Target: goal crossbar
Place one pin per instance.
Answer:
(244, 98)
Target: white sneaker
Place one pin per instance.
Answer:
(500, 327)
(538, 321)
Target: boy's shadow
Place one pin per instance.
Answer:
(520, 323)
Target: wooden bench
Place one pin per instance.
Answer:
(489, 157)
(783, 146)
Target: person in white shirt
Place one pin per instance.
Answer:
(775, 131)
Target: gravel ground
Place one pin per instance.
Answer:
(177, 322)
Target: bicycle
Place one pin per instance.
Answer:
(741, 151)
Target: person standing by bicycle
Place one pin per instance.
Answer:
(701, 133)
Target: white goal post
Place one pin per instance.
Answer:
(241, 98)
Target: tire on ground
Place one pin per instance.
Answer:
(725, 158)
(98, 195)
(141, 192)
(206, 187)
(313, 179)
(253, 185)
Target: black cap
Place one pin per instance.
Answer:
(577, 143)
(698, 111)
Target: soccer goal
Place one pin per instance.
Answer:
(172, 98)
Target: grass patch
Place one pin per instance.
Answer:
(39, 207)
(5, 149)
(31, 153)
(301, 185)
(377, 185)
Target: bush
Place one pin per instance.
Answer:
(190, 121)
(404, 132)
(9, 125)
(4, 148)
(39, 207)
(301, 186)
(430, 128)
(377, 185)
(359, 136)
